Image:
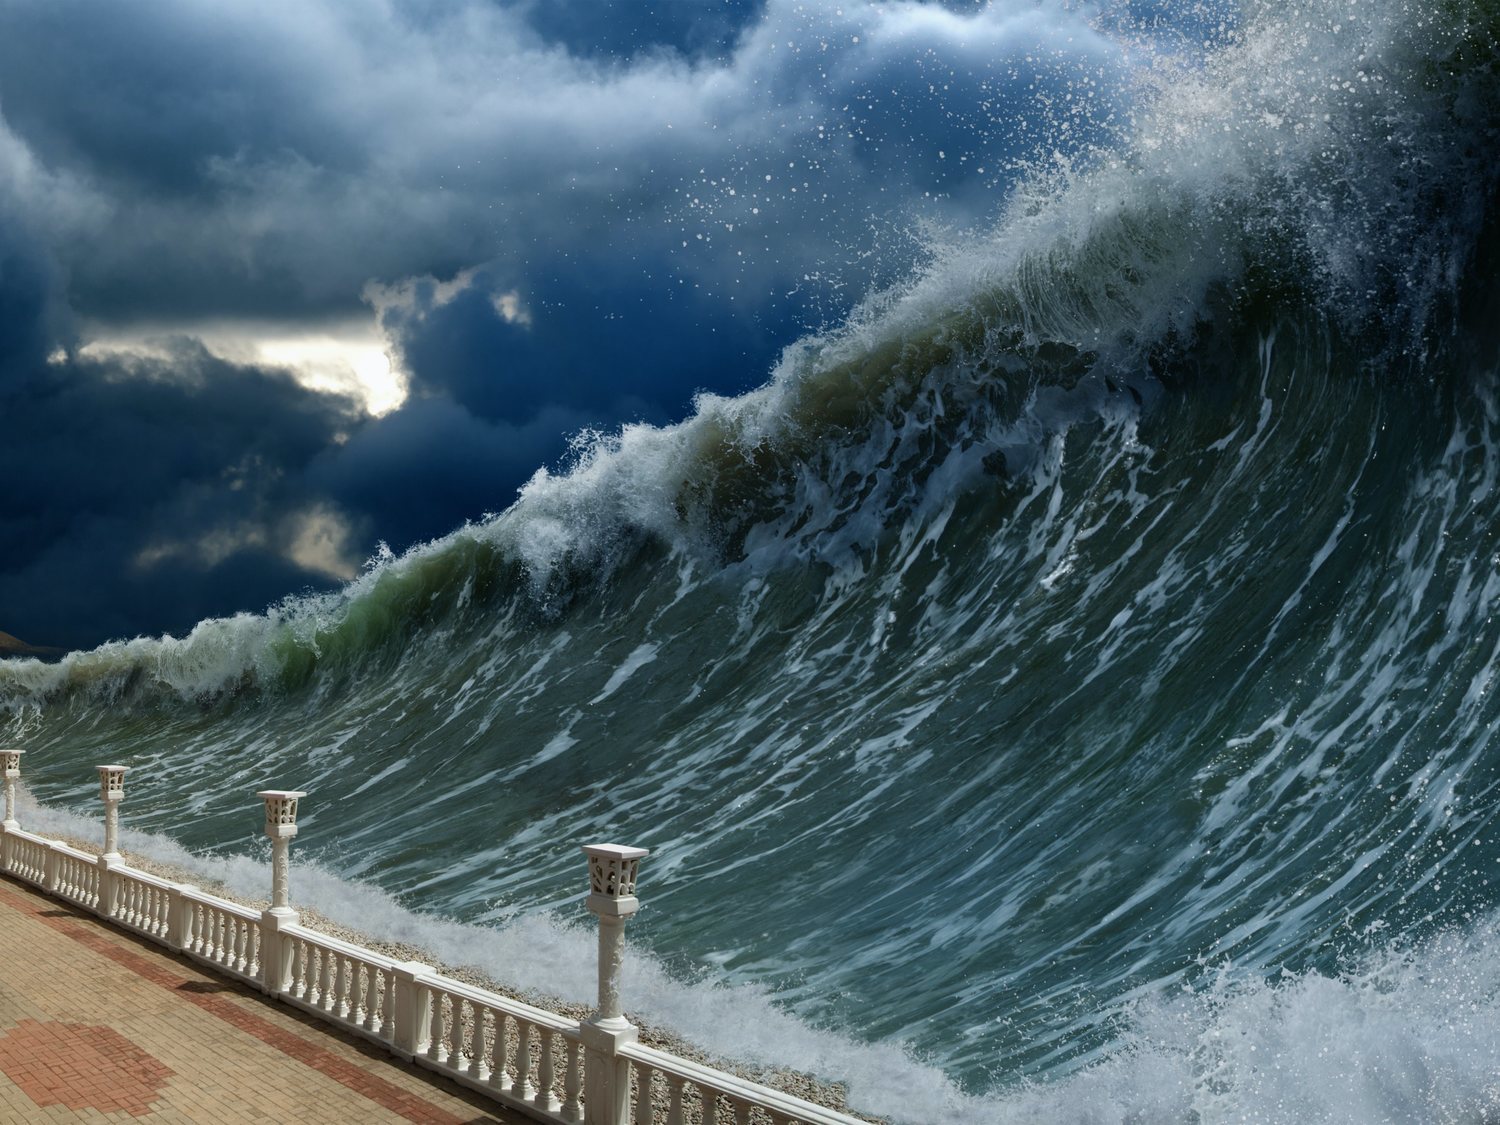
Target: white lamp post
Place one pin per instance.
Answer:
(281, 826)
(112, 792)
(10, 767)
(612, 874)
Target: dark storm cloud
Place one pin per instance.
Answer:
(275, 158)
(500, 385)
(139, 495)
(425, 469)
(626, 28)
(582, 339)
(561, 215)
(26, 281)
(142, 495)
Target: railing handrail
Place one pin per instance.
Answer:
(344, 948)
(723, 1082)
(71, 852)
(194, 894)
(136, 875)
(510, 1006)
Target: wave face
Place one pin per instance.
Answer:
(1078, 671)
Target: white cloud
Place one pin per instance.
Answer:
(417, 296)
(317, 538)
(348, 357)
(321, 542)
(208, 549)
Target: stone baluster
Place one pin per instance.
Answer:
(612, 874)
(180, 911)
(111, 792)
(276, 950)
(572, 1108)
(51, 865)
(676, 1088)
(371, 1003)
(546, 1098)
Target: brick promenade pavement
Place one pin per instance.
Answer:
(98, 1025)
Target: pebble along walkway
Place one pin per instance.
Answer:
(98, 1025)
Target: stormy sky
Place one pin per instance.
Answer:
(281, 281)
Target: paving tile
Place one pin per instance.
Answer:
(97, 1025)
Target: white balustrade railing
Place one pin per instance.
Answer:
(143, 903)
(222, 934)
(522, 1056)
(75, 875)
(552, 1069)
(26, 856)
(670, 1090)
(343, 983)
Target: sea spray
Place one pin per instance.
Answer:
(1401, 1034)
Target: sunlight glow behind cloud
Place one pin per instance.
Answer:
(348, 358)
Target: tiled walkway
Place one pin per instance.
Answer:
(97, 1025)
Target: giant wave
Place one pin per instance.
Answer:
(1068, 686)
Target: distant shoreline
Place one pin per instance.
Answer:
(14, 646)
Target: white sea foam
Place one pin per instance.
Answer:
(1408, 1034)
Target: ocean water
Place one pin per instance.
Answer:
(1066, 691)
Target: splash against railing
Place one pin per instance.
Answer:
(550, 1068)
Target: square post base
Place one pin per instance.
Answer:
(606, 1076)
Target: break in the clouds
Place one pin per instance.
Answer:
(280, 281)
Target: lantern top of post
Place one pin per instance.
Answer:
(614, 851)
(612, 873)
(10, 760)
(111, 782)
(267, 794)
(281, 811)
